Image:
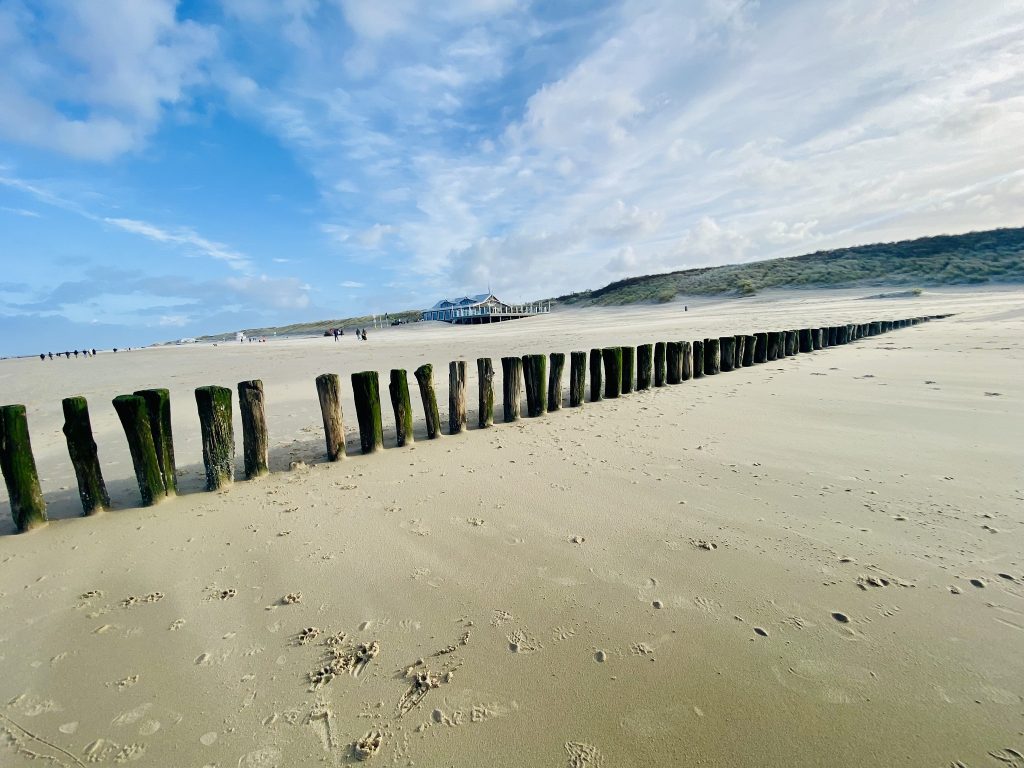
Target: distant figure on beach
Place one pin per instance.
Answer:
(335, 334)
(364, 334)
(685, 308)
(94, 353)
(115, 350)
(42, 357)
(50, 354)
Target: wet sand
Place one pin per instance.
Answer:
(815, 561)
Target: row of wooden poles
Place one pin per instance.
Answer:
(146, 414)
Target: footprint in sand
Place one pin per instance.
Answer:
(583, 755)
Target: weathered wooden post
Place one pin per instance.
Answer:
(366, 393)
(557, 360)
(727, 353)
(806, 345)
(255, 445)
(425, 378)
(749, 344)
(596, 392)
(82, 449)
(28, 508)
(511, 383)
(738, 347)
(760, 348)
(686, 361)
(698, 359)
(612, 357)
(774, 340)
(674, 362)
(659, 364)
(816, 339)
(218, 435)
(398, 387)
(712, 357)
(644, 366)
(792, 343)
(134, 416)
(328, 389)
(457, 418)
(833, 336)
(628, 369)
(158, 405)
(535, 379)
(823, 335)
(485, 384)
(577, 377)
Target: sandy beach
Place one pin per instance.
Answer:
(815, 561)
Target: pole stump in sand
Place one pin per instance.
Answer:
(577, 377)
(511, 386)
(425, 378)
(457, 419)
(596, 391)
(686, 360)
(158, 404)
(612, 357)
(644, 366)
(816, 339)
(749, 344)
(727, 353)
(328, 389)
(134, 416)
(698, 359)
(659, 364)
(557, 365)
(255, 443)
(485, 384)
(772, 349)
(535, 380)
(218, 435)
(712, 357)
(84, 458)
(806, 343)
(673, 362)
(738, 347)
(398, 387)
(627, 367)
(366, 393)
(28, 508)
(760, 348)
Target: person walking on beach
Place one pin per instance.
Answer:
(364, 334)
(335, 334)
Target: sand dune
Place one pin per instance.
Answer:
(815, 561)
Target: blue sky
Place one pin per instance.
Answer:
(171, 169)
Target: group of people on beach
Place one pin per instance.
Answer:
(76, 353)
(360, 333)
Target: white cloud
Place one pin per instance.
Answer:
(350, 284)
(185, 237)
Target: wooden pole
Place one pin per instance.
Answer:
(535, 379)
(366, 393)
(28, 508)
(595, 375)
(134, 416)
(158, 405)
(557, 360)
(577, 377)
(511, 383)
(218, 435)
(738, 347)
(255, 444)
(398, 387)
(727, 353)
(457, 418)
(712, 357)
(686, 361)
(760, 348)
(328, 388)
(612, 357)
(425, 378)
(674, 362)
(659, 364)
(774, 342)
(84, 458)
(627, 368)
(644, 366)
(815, 339)
(698, 359)
(485, 383)
(749, 343)
(805, 342)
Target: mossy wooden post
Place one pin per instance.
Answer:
(328, 389)
(577, 377)
(627, 368)
(596, 391)
(612, 357)
(82, 449)
(712, 357)
(557, 365)
(158, 404)
(425, 378)
(218, 435)
(366, 393)
(686, 361)
(255, 444)
(398, 387)
(698, 359)
(738, 347)
(644, 366)
(511, 386)
(749, 344)
(659, 364)
(727, 353)
(674, 362)
(28, 508)
(485, 385)
(457, 418)
(535, 380)
(134, 416)
(760, 348)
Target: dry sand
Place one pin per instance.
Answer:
(810, 529)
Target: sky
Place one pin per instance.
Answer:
(169, 169)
